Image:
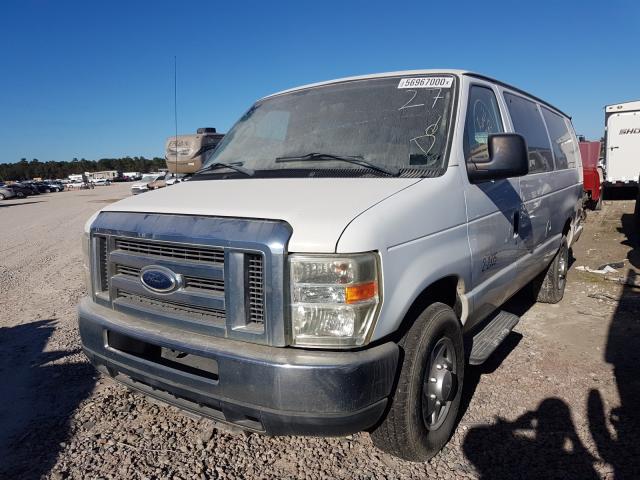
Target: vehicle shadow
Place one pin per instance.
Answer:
(617, 435)
(15, 204)
(38, 398)
(543, 443)
(533, 446)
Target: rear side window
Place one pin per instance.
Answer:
(573, 153)
(561, 140)
(483, 119)
(527, 121)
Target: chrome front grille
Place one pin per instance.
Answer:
(255, 290)
(221, 268)
(168, 307)
(194, 283)
(167, 250)
(103, 259)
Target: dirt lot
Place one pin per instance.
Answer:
(559, 399)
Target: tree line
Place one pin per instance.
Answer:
(26, 170)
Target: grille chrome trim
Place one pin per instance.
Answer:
(193, 298)
(103, 264)
(255, 290)
(165, 306)
(171, 250)
(196, 283)
(222, 262)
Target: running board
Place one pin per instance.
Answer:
(491, 336)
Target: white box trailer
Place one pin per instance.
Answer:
(622, 154)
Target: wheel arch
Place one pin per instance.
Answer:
(449, 290)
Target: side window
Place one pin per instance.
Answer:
(527, 121)
(483, 119)
(573, 153)
(561, 140)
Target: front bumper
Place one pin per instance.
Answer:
(272, 390)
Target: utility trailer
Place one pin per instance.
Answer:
(622, 137)
(186, 153)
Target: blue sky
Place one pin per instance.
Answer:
(93, 80)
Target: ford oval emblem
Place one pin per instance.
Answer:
(160, 279)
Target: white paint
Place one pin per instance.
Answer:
(317, 209)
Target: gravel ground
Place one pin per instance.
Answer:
(557, 400)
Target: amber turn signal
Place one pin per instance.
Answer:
(363, 291)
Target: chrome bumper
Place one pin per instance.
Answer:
(272, 390)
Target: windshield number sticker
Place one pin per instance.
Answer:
(426, 82)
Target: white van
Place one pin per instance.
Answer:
(319, 274)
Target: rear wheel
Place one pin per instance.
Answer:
(423, 411)
(2, 197)
(549, 286)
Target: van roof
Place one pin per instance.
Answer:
(455, 72)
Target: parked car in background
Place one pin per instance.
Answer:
(176, 179)
(101, 182)
(20, 190)
(78, 184)
(161, 182)
(54, 186)
(319, 274)
(30, 187)
(143, 185)
(46, 187)
(6, 193)
(593, 175)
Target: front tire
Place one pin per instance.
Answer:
(424, 409)
(549, 286)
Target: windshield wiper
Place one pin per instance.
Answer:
(327, 157)
(237, 166)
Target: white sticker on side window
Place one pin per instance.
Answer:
(426, 82)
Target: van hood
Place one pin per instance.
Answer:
(317, 209)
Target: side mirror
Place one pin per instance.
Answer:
(508, 157)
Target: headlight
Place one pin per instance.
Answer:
(334, 299)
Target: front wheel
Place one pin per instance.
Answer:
(2, 196)
(424, 408)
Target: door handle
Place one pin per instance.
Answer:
(516, 223)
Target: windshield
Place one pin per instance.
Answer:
(394, 122)
(149, 178)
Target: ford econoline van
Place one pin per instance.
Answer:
(340, 258)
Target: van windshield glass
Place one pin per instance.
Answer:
(395, 122)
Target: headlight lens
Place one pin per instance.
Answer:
(334, 299)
